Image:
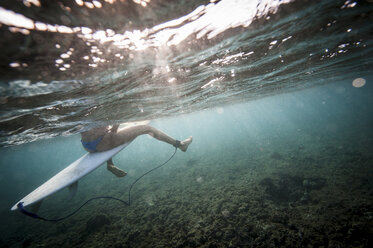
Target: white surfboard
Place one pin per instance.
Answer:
(69, 176)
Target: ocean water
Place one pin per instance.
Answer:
(277, 95)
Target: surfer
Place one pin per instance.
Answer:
(107, 137)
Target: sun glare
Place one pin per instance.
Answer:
(204, 22)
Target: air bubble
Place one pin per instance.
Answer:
(358, 82)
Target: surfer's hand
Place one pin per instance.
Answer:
(114, 128)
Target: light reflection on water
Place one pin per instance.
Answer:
(59, 73)
(205, 20)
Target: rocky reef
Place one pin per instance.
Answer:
(319, 197)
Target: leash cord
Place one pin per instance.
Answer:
(35, 216)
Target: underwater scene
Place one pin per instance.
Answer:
(277, 95)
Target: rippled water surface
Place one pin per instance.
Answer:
(69, 64)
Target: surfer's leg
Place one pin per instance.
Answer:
(185, 143)
(115, 170)
(129, 134)
(110, 165)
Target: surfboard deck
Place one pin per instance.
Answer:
(69, 175)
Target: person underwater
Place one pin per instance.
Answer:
(104, 138)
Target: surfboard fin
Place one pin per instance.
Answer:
(73, 188)
(36, 206)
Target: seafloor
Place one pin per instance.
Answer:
(316, 192)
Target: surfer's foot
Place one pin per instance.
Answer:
(185, 143)
(116, 171)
